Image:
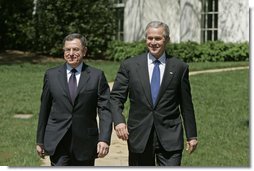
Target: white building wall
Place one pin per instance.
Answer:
(138, 13)
(184, 19)
(233, 20)
(190, 20)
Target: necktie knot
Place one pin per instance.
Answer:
(156, 62)
(73, 70)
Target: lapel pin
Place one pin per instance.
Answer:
(171, 73)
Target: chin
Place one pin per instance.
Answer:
(154, 53)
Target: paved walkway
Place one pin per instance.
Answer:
(118, 154)
(218, 70)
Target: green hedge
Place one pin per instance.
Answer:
(119, 50)
(212, 51)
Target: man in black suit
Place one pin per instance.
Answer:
(160, 100)
(72, 96)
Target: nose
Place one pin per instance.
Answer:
(153, 41)
(71, 52)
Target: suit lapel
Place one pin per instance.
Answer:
(142, 70)
(84, 77)
(62, 77)
(168, 75)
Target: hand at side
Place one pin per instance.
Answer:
(102, 149)
(192, 145)
(122, 131)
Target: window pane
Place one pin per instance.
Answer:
(215, 35)
(215, 20)
(209, 35)
(210, 21)
(216, 5)
(210, 5)
(203, 36)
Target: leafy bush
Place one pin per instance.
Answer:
(16, 24)
(118, 50)
(187, 51)
(92, 18)
(212, 51)
(42, 30)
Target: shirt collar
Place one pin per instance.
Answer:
(78, 68)
(151, 58)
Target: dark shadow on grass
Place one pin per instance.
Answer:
(11, 57)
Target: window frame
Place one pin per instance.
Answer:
(209, 20)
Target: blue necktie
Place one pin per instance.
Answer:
(155, 82)
(73, 85)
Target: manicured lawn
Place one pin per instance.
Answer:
(222, 111)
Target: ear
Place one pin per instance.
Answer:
(84, 51)
(167, 40)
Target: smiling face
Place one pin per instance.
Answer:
(156, 41)
(74, 52)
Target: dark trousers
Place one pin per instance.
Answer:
(63, 154)
(155, 155)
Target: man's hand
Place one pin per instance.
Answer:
(192, 145)
(102, 149)
(40, 151)
(122, 131)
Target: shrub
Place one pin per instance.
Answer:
(118, 50)
(212, 51)
(16, 24)
(187, 51)
(44, 30)
(91, 18)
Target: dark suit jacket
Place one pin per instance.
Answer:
(174, 100)
(57, 113)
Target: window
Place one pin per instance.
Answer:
(209, 18)
(119, 6)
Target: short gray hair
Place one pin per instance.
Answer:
(73, 36)
(157, 24)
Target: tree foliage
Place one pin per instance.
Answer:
(16, 24)
(91, 18)
(42, 29)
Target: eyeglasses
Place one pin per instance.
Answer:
(68, 50)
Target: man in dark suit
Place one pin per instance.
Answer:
(72, 96)
(160, 100)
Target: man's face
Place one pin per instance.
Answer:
(74, 52)
(155, 41)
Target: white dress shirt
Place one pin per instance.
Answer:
(150, 60)
(77, 74)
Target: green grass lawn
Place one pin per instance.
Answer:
(221, 102)
(222, 112)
